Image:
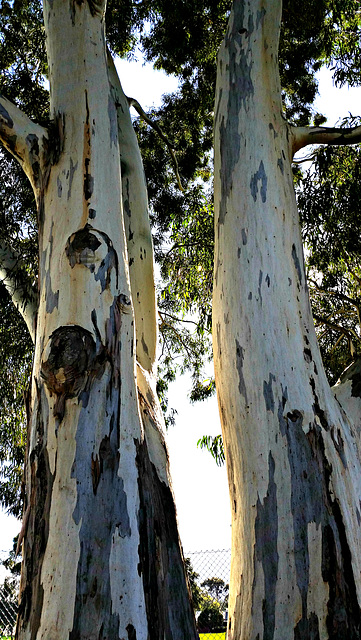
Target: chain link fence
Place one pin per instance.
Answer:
(8, 612)
(208, 575)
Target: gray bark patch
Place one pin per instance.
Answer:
(144, 345)
(297, 263)
(271, 128)
(306, 501)
(103, 274)
(5, 117)
(244, 236)
(260, 16)
(259, 176)
(266, 534)
(241, 89)
(339, 444)
(319, 412)
(113, 123)
(239, 365)
(52, 297)
(103, 512)
(70, 176)
(268, 393)
(260, 277)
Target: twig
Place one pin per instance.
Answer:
(134, 103)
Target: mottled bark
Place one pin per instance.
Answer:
(292, 455)
(101, 553)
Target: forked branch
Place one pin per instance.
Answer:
(24, 139)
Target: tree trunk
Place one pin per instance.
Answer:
(292, 453)
(101, 553)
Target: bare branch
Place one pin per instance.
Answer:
(134, 103)
(302, 136)
(17, 282)
(24, 139)
(172, 317)
(330, 292)
(164, 323)
(336, 327)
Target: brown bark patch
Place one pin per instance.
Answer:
(72, 361)
(312, 501)
(168, 606)
(93, 249)
(36, 536)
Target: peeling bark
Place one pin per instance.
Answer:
(292, 456)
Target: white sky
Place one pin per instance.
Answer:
(200, 486)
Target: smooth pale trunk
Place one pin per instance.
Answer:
(292, 455)
(101, 552)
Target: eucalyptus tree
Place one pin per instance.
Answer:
(292, 445)
(99, 529)
(101, 554)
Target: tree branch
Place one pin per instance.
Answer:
(330, 292)
(24, 139)
(164, 323)
(302, 136)
(134, 103)
(17, 282)
(346, 332)
(137, 227)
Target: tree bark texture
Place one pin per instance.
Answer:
(101, 553)
(293, 454)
